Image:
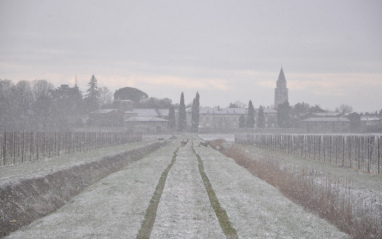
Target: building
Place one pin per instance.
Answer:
(228, 119)
(326, 124)
(281, 91)
(270, 118)
(124, 117)
(105, 118)
(371, 124)
(145, 124)
(220, 118)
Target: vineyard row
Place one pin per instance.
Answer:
(362, 152)
(21, 147)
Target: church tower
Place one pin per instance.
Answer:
(281, 91)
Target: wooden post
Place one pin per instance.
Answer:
(379, 155)
(343, 151)
(22, 148)
(5, 148)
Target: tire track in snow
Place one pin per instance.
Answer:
(151, 212)
(221, 214)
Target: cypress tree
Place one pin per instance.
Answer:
(251, 116)
(171, 118)
(261, 118)
(182, 114)
(241, 121)
(283, 118)
(195, 113)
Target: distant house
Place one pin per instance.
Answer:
(146, 120)
(219, 118)
(123, 116)
(326, 124)
(223, 119)
(270, 117)
(145, 124)
(371, 124)
(106, 118)
(110, 117)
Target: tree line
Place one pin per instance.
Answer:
(39, 106)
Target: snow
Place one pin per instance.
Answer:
(115, 206)
(255, 208)
(210, 137)
(364, 188)
(112, 208)
(184, 210)
(13, 173)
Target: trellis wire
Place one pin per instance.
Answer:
(362, 152)
(21, 147)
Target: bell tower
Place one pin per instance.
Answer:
(281, 91)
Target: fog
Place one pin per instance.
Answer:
(228, 51)
(184, 119)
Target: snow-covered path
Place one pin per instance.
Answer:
(184, 210)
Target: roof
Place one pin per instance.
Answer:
(326, 114)
(326, 119)
(145, 119)
(103, 111)
(267, 111)
(146, 112)
(163, 112)
(369, 118)
(222, 111)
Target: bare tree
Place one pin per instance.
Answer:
(105, 96)
(344, 109)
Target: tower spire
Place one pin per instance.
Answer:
(281, 75)
(281, 91)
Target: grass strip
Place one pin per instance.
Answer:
(151, 211)
(221, 214)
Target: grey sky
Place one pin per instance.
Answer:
(331, 51)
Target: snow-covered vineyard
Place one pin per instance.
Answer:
(187, 190)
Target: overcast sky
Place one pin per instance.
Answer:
(331, 51)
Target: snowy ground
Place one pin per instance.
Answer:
(115, 206)
(185, 210)
(365, 188)
(210, 137)
(112, 208)
(256, 209)
(12, 173)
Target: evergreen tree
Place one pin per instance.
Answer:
(195, 113)
(261, 118)
(283, 115)
(241, 121)
(92, 97)
(182, 114)
(171, 118)
(251, 116)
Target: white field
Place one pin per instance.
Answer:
(115, 206)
